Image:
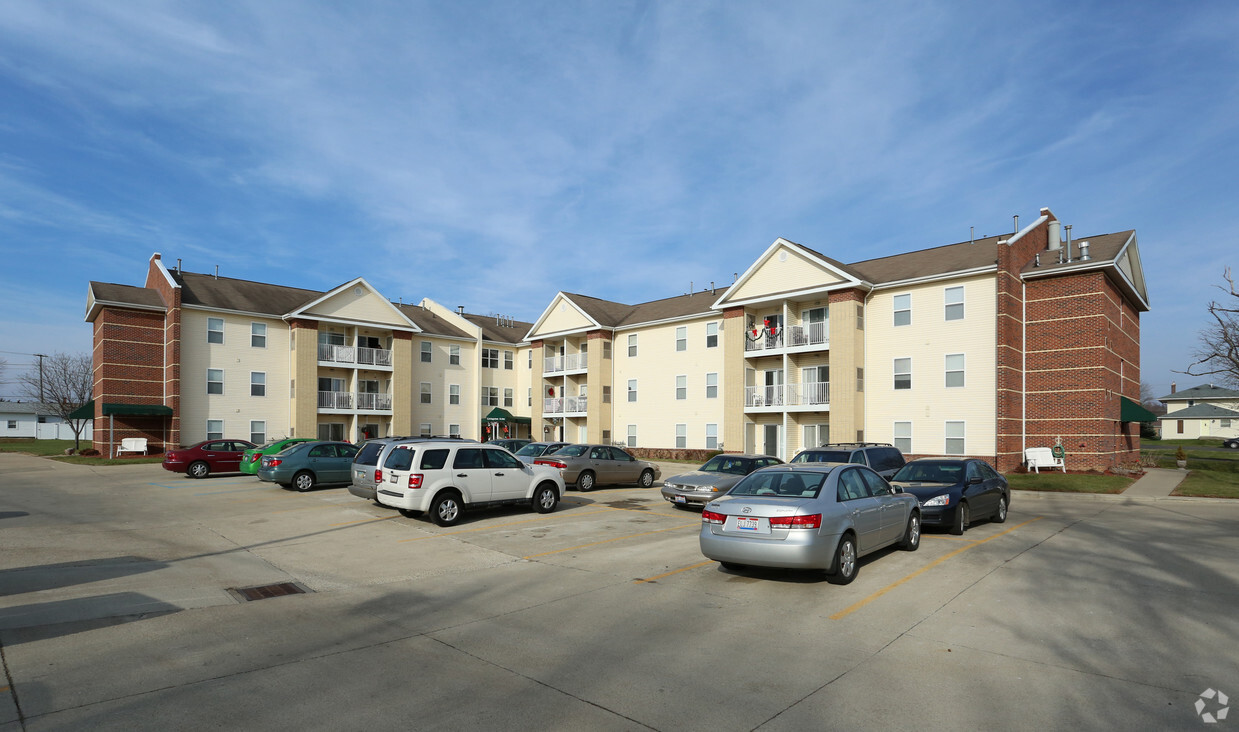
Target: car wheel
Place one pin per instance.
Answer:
(585, 481)
(844, 569)
(199, 469)
(545, 498)
(408, 512)
(647, 478)
(445, 511)
(961, 519)
(732, 566)
(1000, 515)
(912, 535)
(303, 481)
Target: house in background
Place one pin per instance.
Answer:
(1201, 411)
(35, 421)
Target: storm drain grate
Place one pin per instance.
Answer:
(262, 592)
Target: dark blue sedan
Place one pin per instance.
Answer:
(954, 492)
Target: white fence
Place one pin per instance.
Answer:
(61, 431)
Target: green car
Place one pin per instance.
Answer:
(251, 460)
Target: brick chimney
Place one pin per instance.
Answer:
(1172, 387)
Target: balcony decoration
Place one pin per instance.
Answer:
(766, 329)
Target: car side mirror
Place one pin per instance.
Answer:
(896, 489)
(974, 481)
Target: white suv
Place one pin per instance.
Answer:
(443, 477)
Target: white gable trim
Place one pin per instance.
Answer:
(561, 295)
(848, 280)
(164, 270)
(301, 312)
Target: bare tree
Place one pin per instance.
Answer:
(1218, 353)
(62, 383)
(1146, 396)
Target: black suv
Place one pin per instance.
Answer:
(884, 458)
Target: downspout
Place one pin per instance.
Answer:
(1023, 368)
(111, 426)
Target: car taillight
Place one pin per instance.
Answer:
(274, 462)
(711, 517)
(557, 464)
(796, 522)
(254, 458)
(378, 475)
(169, 456)
(415, 480)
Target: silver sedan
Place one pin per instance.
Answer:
(813, 516)
(713, 479)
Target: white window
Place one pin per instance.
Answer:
(215, 381)
(215, 429)
(955, 438)
(453, 355)
(425, 429)
(426, 351)
(490, 396)
(453, 394)
(509, 396)
(632, 390)
(681, 436)
(632, 344)
(258, 384)
(954, 370)
(681, 338)
(712, 335)
(903, 437)
(681, 387)
(711, 436)
(258, 336)
(955, 303)
(903, 373)
(816, 434)
(215, 330)
(425, 392)
(258, 432)
(453, 430)
(632, 435)
(903, 309)
(490, 358)
(860, 317)
(712, 385)
(509, 360)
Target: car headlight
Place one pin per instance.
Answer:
(707, 489)
(668, 484)
(938, 501)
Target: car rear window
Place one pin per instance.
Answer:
(572, 450)
(434, 459)
(369, 453)
(823, 456)
(400, 458)
(780, 484)
(886, 458)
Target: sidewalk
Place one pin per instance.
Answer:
(1156, 483)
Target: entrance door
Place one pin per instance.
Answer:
(774, 387)
(770, 442)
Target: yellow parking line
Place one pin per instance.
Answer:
(607, 541)
(922, 570)
(491, 527)
(675, 571)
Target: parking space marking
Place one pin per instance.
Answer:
(858, 605)
(235, 490)
(499, 526)
(363, 521)
(674, 571)
(608, 541)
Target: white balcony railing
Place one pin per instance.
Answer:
(763, 396)
(367, 401)
(373, 356)
(374, 402)
(570, 362)
(764, 342)
(335, 400)
(353, 355)
(812, 393)
(813, 334)
(565, 405)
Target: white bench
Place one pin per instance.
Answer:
(131, 444)
(1042, 457)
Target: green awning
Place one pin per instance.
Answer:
(86, 411)
(499, 414)
(137, 410)
(1130, 411)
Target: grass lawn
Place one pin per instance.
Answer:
(1069, 482)
(55, 449)
(1212, 473)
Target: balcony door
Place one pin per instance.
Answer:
(816, 324)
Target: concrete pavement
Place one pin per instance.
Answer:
(1156, 483)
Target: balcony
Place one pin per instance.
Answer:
(353, 355)
(793, 336)
(569, 362)
(812, 394)
(349, 401)
(763, 396)
(565, 405)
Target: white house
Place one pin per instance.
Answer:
(1202, 411)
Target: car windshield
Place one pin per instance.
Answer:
(823, 456)
(533, 449)
(780, 484)
(573, 450)
(729, 465)
(934, 472)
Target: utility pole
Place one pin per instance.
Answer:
(40, 356)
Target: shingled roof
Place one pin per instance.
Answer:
(1204, 392)
(242, 295)
(496, 331)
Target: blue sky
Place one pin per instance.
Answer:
(491, 154)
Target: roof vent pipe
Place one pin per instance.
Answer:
(1055, 235)
(460, 309)
(217, 271)
(178, 265)
(711, 287)
(1084, 256)
(1067, 254)
(1037, 259)
(1017, 223)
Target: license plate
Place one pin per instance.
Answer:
(681, 499)
(747, 524)
(361, 473)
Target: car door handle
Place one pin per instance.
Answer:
(498, 475)
(462, 475)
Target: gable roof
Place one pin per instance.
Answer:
(1202, 393)
(1117, 255)
(430, 323)
(100, 294)
(1202, 411)
(844, 276)
(497, 331)
(226, 293)
(964, 256)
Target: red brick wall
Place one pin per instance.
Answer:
(128, 368)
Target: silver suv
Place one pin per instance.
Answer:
(444, 477)
(883, 457)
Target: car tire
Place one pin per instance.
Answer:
(647, 478)
(845, 568)
(303, 481)
(912, 535)
(446, 509)
(408, 512)
(545, 498)
(198, 469)
(1000, 514)
(732, 566)
(585, 481)
(961, 519)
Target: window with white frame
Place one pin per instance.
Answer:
(490, 396)
(681, 436)
(509, 360)
(954, 370)
(453, 430)
(860, 317)
(215, 381)
(711, 436)
(632, 435)
(712, 335)
(681, 338)
(955, 303)
(215, 429)
(424, 429)
(215, 330)
(632, 390)
(490, 358)
(903, 373)
(903, 437)
(453, 393)
(816, 434)
(509, 397)
(606, 350)
(453, 355)
(606, 437)
(258, 383)
(530, 354)
(258, 335)
(712, 385)
(258, 432)
(1226, 423)
(632, 344)
(427, 351)
(425, 392)
(681, 387)
(529, 397)
(955, 438)
(606, 394)
(903, 309)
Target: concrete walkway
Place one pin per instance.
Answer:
(1156, 483)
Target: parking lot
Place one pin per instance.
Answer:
(119, 610)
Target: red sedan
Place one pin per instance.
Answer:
(199, 461)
